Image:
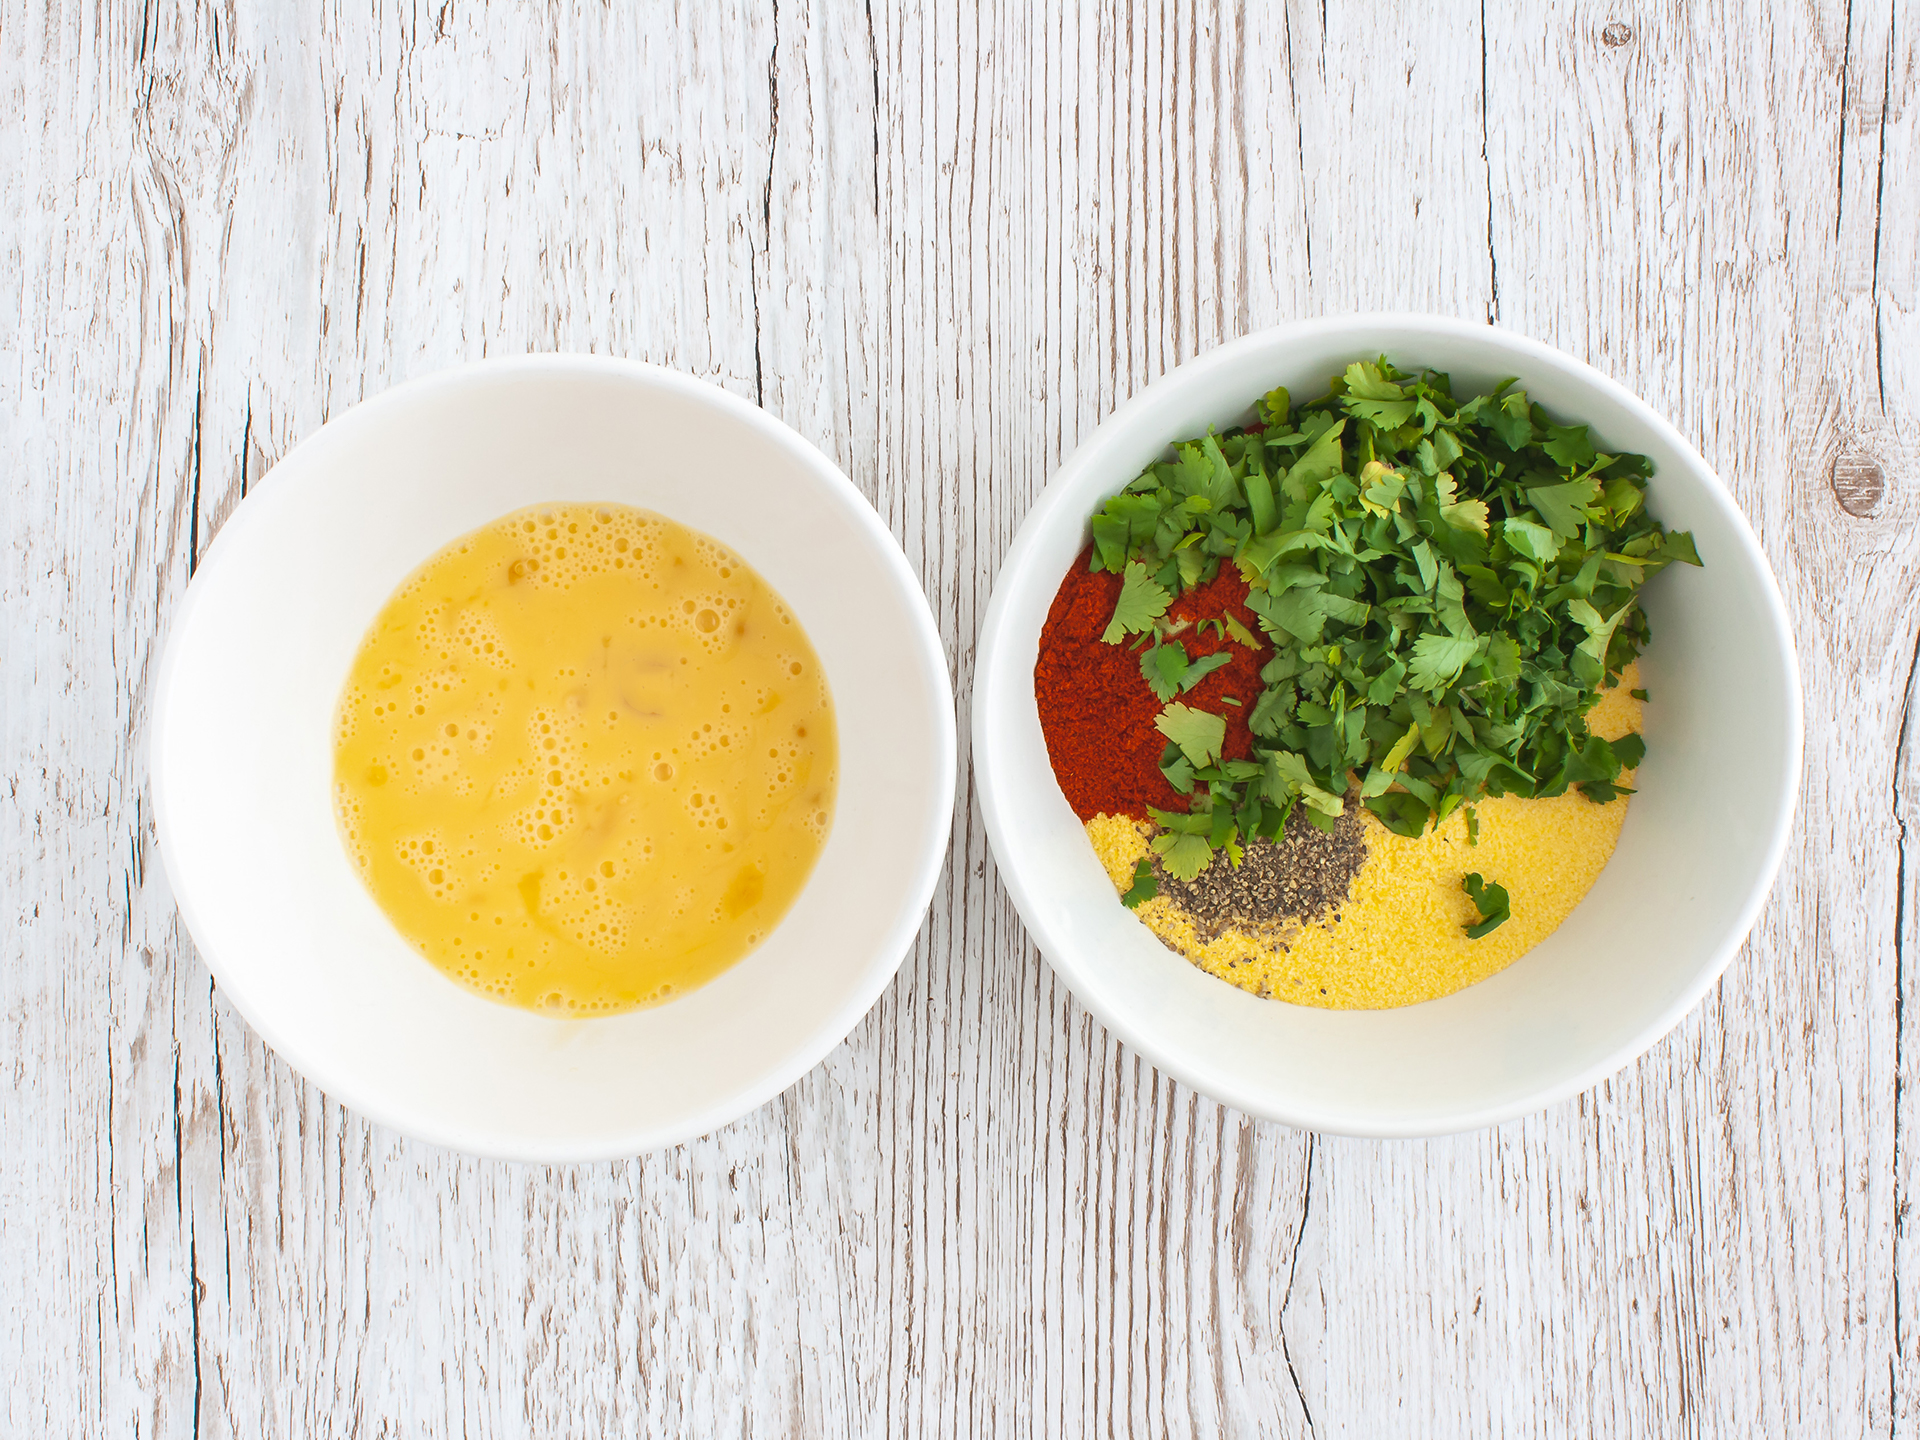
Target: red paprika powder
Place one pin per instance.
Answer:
(1096, 708)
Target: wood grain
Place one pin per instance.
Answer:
(943, 242)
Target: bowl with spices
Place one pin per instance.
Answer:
(1387, 725)
(554, 758)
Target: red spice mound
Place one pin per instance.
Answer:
(1096, 708)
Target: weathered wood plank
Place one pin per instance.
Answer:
(943, 243)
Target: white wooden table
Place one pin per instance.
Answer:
(943, 245)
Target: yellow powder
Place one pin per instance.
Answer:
(1400, 938)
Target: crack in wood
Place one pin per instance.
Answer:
(1486, 157)
(246, 445)
(1900, 754)
(1293, 1270)
(193, 513)
(1879, 214)
(766, 206)
(1299, 133)
(873, 57)
(194, 1297)
(1846, 77)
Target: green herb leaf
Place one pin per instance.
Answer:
(1260, 506)
(1271, 711)
(1385, 414)
(1365, 382)
(1438, 660)
(1202, 473)
(1402, 748)
(1260, 554)
(1164, 667)
(1143, 600)
(1401, 812)
(1182, 822)
(1569, 445)
(1564, 507)
(1512, 421)
(1491, 901)
(1198, 733)
(1678, 546)
(1122, 524)
(1300, 614)
(1535, 541)
(1177, 770)
(1466, 515)
(1185, 856)
(1321, 461)
(1203, 666)
(1145, 886)
(1599, 635)
(1289, 776)
(1190, 563)
(1169, 672)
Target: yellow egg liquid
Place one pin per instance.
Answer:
(585, 759)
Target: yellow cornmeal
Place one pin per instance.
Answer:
(585, 759)
(1400, 938)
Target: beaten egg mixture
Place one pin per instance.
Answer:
(585, 759)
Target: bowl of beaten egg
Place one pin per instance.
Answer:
(1701, 838)
(554, 759)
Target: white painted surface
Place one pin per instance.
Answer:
(942, 245)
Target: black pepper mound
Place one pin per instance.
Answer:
(1298, 879)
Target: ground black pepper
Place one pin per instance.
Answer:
(1297, 880)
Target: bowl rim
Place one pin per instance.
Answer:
(1092, 455)
(929, 658)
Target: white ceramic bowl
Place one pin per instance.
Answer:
(242, 756)
(1699, 849)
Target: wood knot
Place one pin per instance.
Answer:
(1858, 484)
(1617, 34)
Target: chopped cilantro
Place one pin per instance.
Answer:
(1145, 887)
(1198, 733)
(1178, 770)
(1184, 843)
(1289, 778)
(1239, 632)
(1169, 672)
(1143, 600)
(1448, 586)
(1569, 445)
(1491, 901)
(1564, 507)
(1164, 666)
(1438, 659)
(1204, 666)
